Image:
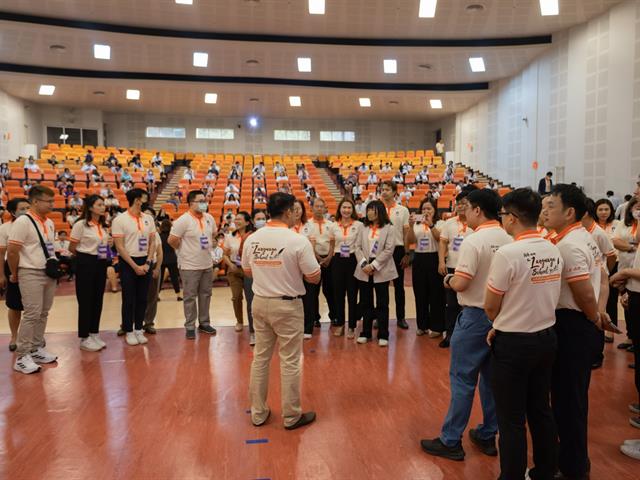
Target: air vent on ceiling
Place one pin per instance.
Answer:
(98, 92)
(474, 8)
(254, 99)
(394, 102)
(57, 48)
(425, 66)
(252, 61)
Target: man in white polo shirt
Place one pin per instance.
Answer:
(133, 234)
(399, 216)
(27, 261)
(578, 319)
(523, 341)
(470, 353)
(278, 259)
(192, 236)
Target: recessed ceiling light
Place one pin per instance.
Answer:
(210, 97)
(477, 64)
(133, 94)
(295, 101)
(254, 99)
(427, 8)
(253, 122)
(304, 64)
(252, 61)
(57, 48)
(390, 66)
(365, 102)
(200, 59)
(99, 92)
(474, 8)
(435, 103)
(316, 7)
(47, 89)
(184, 2)
(102, 52)
(549, 7)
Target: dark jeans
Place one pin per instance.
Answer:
(380, 311)
(398, 283)
(134, 294)
(577, 347)
(453, 308)
(521, 366)
(328, 291)
(634, 333)
(174, 274)
(91, 277)
(310, 306)
(345, 284)
(428, 291)
(247, 286)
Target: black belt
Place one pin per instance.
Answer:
(546, 331)
(291, 298)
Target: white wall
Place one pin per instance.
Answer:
(19, 125)
(581, 99)
(122, 129)
(70, 117)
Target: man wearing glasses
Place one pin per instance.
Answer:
(469, 350)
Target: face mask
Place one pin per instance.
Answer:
(202, 206)
(144, 206)
(232, 227)
(636, 214)
(260, 223)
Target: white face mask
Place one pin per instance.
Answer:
(636, 214)
(260, 223)
(202, 206)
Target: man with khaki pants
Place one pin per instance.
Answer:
(278, 258)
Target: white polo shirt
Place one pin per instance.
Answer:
(345, 237)
(232, 242)
(628, 234)
(529, 269)
(399, 216)
(24, 234)
(320, 234)
(603, 241)
(136, 232)
(425, 241)
(5, 230)
(475, 258)
(277, 258)
(582, 261)
(633, 285)
(92, 239)
(454, 231)
(196, 235)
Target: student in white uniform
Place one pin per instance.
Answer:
(155, 264)
(90, 245)
(452, 234)
(470, 353)
(399, 218)
(278, 259)
(428, 289)
(27, 263)
(134, 237)
(578, 319)
(17, 207)
(523, 342)
(345, 232)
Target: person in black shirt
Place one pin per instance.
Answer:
(169, 259)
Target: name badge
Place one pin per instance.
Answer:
(457, 241)
(204, 242)
(102, 251)
(51, 249)
(374, 248)
(143, 244)
(423, 243)
(344, 250)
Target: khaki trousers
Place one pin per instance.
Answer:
(196, 286)
(236, 283)
(278, 320)
(37, 292)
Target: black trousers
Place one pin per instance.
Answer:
(328, 291)
(345, 284)
(91, 277)
(428, 291)
(398, 283)
(380, 311)
(634, 333)
(174, 274)
(521, 369)
(134, 294)
(310, 306)
(577, 347)
(453, 308)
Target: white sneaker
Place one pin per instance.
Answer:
(383, 343)
(42, 356)
(362, 340)
(632, 451)
(351, 333)
(433, 334)
(307, 336)
(420, 333)
(140, 337)
(252, 339)
(98, 340)
(26, 365)
(239, 327)
(132, 339)
(90, 345)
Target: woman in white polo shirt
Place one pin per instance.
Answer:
(90, 244)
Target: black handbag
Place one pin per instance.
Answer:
(52, 267)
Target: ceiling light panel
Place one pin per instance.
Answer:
(365, 102)
(316, 7)
(304, 64)
(133, 94)
(295, 101)
(184, 2)
(200, 59)
(390, 66)
(46, 89)
(436, 104)
(102, 52)
(549, 7)
(477, 64)
(210, 98)
(427, 8)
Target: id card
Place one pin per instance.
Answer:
(344, 250)
(143, 244)
(204, 242)
(102, 251)
(51, 249)
(457, 241)
(374, 248)
(423, 243)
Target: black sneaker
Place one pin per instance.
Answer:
(150, 329)
(317, 324)
(488, 447)
(403, 324)
(444, 343)
(121, 332)
(624, 345)
(191, 334)
(305, 419)
(439, 449)
(207, 329)
(630, 348)
(13, 347)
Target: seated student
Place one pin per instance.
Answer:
(150, 179)
(72, 216)
(137, 165)
(126, 186)
(111, 200)
(88, 167)
(215, 168)
(386, 168)
(125, 176)
(278, 169)
(258, 170)
(88, 158)
(363, 168)
(32, 166)
(75, 201)
(282, 177)
(231, 201)
(423, 176)
(234, 175)
(231, 188)
(111, 160)
(211, 175)
(356, 191)
(372, 179)
(62, 251)
(217, 254)
(156, 160)
(398, 178)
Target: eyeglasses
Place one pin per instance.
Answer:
(45, 201)
(502, 214)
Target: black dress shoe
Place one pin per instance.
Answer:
(264, 421)
(630, 348)
(488, 447)
(403, 324)
(121, 332)
(207, 329)
(624, 345)
(632, 366)
(444, 343)
(596, 365)
(439, 449)
(190, 334)
(150, 329)
(13, 347)
(305, 419)
(317, 324)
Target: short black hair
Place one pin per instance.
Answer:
(432, 202)
(151, 211)
(488, 201)
(279, 203)
(391, 184)
(193, 194)
(464, 193)
(549, 174)
(381, 210)
(607, 202)
(628, 197)
(525, 204)
(571, 197)
(40, 191)
(12, 205)
(628, 213)
(591, 208)
(134, 194)
(609, 193)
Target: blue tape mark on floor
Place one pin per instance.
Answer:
(257, 440)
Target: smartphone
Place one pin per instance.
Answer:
(419, 218)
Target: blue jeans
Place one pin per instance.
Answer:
(470, 357)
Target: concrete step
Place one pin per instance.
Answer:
(169, 186)
(331, 185)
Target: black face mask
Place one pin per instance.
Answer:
(144, 206)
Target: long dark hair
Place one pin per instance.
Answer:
(612, 213)
(382, 217)
(432, 202)
(628, 214)
(247, 218)
(354, 215)
(303, 218)
(86, 210)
